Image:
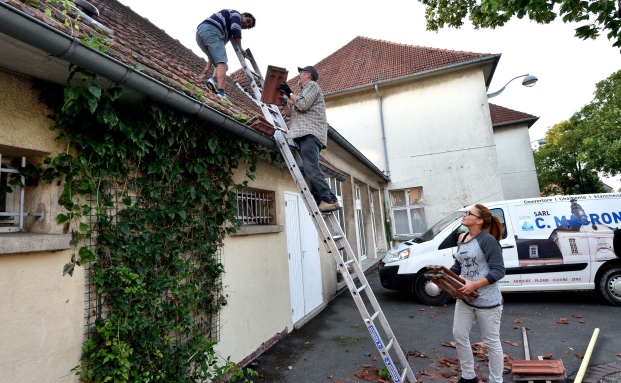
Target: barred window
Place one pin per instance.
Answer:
(256, 207)
(11, 197)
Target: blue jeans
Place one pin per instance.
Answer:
(211, 41)
(309, 148)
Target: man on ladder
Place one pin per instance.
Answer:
(309, 130)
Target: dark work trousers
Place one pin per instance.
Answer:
(309, 148)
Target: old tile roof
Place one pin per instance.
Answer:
(135, 41)
(365, 61)
(503, 116)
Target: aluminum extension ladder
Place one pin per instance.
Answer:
(332, 236)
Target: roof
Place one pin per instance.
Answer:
(135, 41)
(366, 61)
(504, 116)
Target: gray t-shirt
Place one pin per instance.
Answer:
(481, 257)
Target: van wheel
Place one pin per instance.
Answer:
(428, 292)
(610, 286)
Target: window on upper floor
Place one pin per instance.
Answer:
(408, 211)
(256, 207)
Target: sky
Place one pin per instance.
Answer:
(292, 34)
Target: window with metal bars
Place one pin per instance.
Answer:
(256, 207)
(11, 197)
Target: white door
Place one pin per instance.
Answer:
(304, 263)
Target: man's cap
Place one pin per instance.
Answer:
(311, 70)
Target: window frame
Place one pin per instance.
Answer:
(409, 209)
(13, 201)
(258, 206)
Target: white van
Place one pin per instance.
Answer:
(549, 244)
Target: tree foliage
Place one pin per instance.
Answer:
(560, 165)
(600, 125)
(594, 17)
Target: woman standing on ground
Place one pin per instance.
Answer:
(479, 261)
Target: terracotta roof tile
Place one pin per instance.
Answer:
(135, 41)
(501, 115)
(365, 61)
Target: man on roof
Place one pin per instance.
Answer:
(309, 130)
(212, 36)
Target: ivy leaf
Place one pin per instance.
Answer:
(124, 228)
(95, 90)
(92, 104)
(86, 254)
(68, 269)
(110, 118)
(62, 218)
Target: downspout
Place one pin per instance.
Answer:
(381, 111)
(22, 27)
(386, 204)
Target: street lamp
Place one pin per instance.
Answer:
(529, 80)
(540, 142)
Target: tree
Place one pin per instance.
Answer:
(600, 124)
(560, 163)
(595, 16)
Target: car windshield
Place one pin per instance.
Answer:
(438, 227)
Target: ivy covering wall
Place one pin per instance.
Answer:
(164, 199)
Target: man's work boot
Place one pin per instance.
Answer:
(326, 207)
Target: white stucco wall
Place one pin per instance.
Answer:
(438, 134)
(42, 318)
(517, 165)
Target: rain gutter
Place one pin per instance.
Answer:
(27, 29)
(529, 121)
(481, 60)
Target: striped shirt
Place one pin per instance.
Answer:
(228, 21)
(308, 114)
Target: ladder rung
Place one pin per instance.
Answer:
(337, 237)
(362, 288)
(389, 345)
(403, 375)
(349, 262)
(375, 314)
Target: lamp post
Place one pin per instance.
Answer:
(540, 142)
(529, 80)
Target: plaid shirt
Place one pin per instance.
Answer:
(308, 114)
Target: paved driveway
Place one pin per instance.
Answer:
(335, 344)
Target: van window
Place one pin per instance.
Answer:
(498, 213)
(438, 227)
